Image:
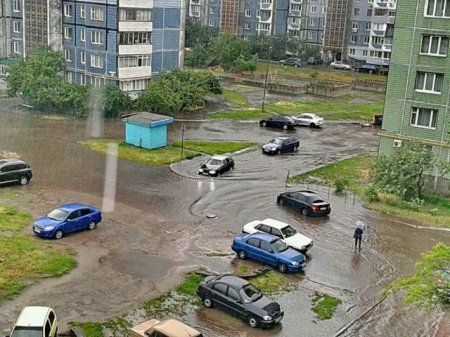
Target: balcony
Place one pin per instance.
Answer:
(133, 26)
(296, 2)
(135, 49)
(194, 14)
(293, 26)
(391, 20)
(266, 6)
(386, 47)
(194, 2)
(265, 16)
(134, 72)
(295, 13)
(377, 33)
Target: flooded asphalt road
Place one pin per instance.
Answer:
(159, 228)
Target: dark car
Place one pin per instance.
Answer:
(291, 61)
(216, 165)
(278, 122)
(268, 249)
(314, 60)
(14, 171)
(240, 298)
(281, 144)
(369, 69)
(307, 202)
(66, 219)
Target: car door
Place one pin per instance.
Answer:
(7, 173)
(290, 199)
(267, 254)
(298, 201)
(218, 294)
(235, 302)
(252, 248)
(85, 218)
(73, 222)
(301, 120)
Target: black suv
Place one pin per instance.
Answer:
(240, 298)
(13, 171)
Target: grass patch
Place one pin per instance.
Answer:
(272, 282)
(90, 329)
(245, 115)
(243, 269)
(237, 99)
(157, 157)
(213, 147)
(189, 286)
(24, 259)
(330, 110)
(324, 305)
(355, 172)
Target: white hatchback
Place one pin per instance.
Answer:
(281, 230)
(309, 119)
(36, 322)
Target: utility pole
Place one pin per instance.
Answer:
(265, 79)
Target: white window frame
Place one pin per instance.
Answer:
(247, 25)
(83, 57)
(425, 79)
(211, 10)
(353, 38)
(314, 9)
(16, 26)
(68, 33)
(82, 12)
(310, 35)
(82, 79)
(16, 5)
(312, 22)
(68, 55)
(96, 61)
(415, 118)
(96, 37)
(211, 22)
(248, 13)
(16, 47)
(83, 35)
(97, 14)
(446, 7)
(68, 10)
(431, 37)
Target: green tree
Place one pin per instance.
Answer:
(243, 64)
(198, 35)
(403, 172)
(228, 48)
(197, 57)
(116, 101)
(430, 285)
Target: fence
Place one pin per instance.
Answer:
(438, 185)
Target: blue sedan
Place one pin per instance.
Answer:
(270, 250)
(66, 219)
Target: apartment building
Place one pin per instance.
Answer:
(418, 96)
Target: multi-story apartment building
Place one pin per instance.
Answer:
(313, 21)
(418, 95)
(372, 27)
(126, 41)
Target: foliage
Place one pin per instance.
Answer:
(248, 114)
(314, 77)
(116, 101)
(236, 98)
(90, 329)
(402, 173)
(324, 305)
(341, 184)
(197, 57)
(430, 285)
(198, 35)
(176, 90)
(228, 49)
(272, 282)
(189, 286)
(216, 147)
(246, 64)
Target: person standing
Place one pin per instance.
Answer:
(359, 230)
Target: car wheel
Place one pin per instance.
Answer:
(253, 322)
(305, 211)
(264, 124)
(295, 65)
(282, 268)
(23, 180)
(282, 64)
(285, 127)
(242, 255)
(278, 151)
(280, 201)
(312, 125)
(207, 302)
(92, 225)
(295, 148)
(58, 234)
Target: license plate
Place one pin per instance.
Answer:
(323, 208)
(37, 230)
(278, 319)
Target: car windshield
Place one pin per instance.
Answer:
(57, 214)
(279, 245)
(288, 231)
(276, 141)
(214, 162)
(250, 293)
(27, 332)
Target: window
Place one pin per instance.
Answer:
(313, 9)
(310, 35)
(82, 79)
(85, 211)
(253, 242)
(233, 294)
(276, 232)
(97, 13)
(96, 61)
(16, 47)
(352, 51)
(434, 45)
(211, 22)
(369, 12)
(83, 35)
(248, 13)
(131, 14)
(353, 38)
(82, 12)
(312, 22)
(134, 85)
(264, 228)
(368, 25)
(265, 246)
(429, 82)
(68, 31)
(16, 5)
(366, 39)
(221, 288)
(324, 9)
(69, 77)
(16, 26)
(135, 61)
(247, 25)
(439, 8)
(83, 57)
(211, 10)
(68, 9)
(356, 11)
(424, 118)
(355, 25)
(97, 37)
(68, 55)
(129, 38)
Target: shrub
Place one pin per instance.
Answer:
(341, 184)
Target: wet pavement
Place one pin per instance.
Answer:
(159, 228)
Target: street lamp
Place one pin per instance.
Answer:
(183, 128)
(265, 79)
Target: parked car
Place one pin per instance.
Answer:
(270, 250)
(281, 144)
(15, 171)
(240, 298)
(309, 119)
(165, 328)
(291, 61)
(282, 231)
(216, 165)
(36, 322)
(340, 65)
(307, 202)
(278, 122)
(66, 219)
(314, 60)
(368, 68)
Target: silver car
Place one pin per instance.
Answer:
(309, 119)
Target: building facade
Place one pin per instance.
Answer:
(418, 95)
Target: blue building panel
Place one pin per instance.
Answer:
(156, 62)
(172, 18)
(170, 60)
(157, 39)
(158, 18)
(171, 39)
